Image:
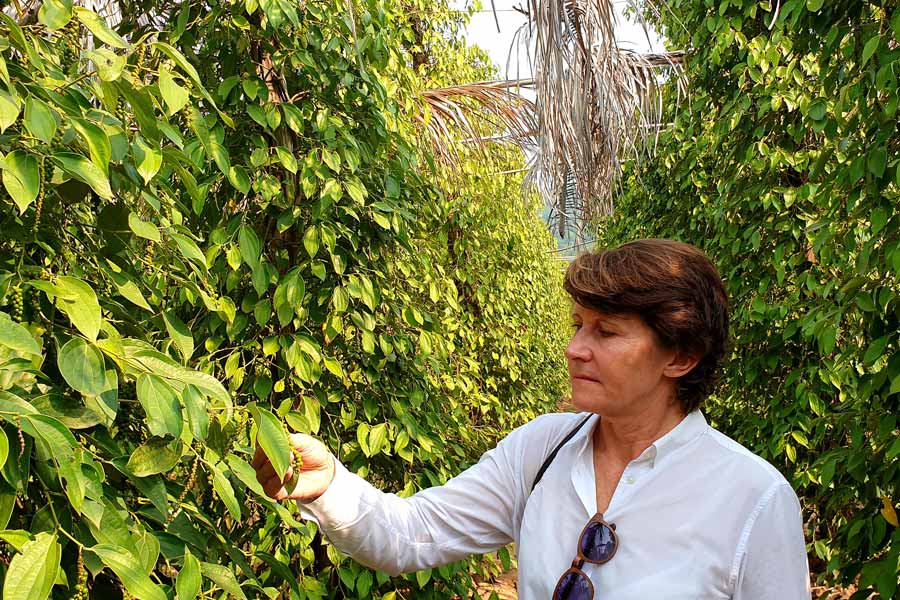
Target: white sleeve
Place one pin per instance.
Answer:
(472, 513)
(774, 565)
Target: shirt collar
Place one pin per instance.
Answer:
(689, 429)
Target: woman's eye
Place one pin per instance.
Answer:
(576, 326)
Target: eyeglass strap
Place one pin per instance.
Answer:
(556, 450)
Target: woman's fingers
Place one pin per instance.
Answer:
(316, 470)
(272, 487)
(265, 473)
(271, 484)
(259, 458)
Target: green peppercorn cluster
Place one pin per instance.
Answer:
(21, 436)
(70, 37)
(81, 590)
(192, 478)
(45, 176)
(18, 305)
(122, 113)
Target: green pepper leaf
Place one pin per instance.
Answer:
(21, 178)
(272, 438)
(82, 366)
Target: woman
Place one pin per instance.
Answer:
(641, 499)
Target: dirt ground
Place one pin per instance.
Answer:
(505, 588)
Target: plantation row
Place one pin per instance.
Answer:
(229, 224)
(783, 164)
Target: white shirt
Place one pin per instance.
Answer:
(698, 516)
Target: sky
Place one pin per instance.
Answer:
(482, 30)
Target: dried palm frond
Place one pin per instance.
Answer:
(496, 109)
(596, 103)
(595, 106)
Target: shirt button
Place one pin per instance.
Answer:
(629, 479)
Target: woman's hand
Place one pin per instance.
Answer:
(313, 477)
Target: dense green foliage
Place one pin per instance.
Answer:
(782, 163)
(211, 231)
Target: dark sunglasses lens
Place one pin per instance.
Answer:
(573, 586)
(598, 543)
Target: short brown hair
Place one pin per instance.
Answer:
(674, 288)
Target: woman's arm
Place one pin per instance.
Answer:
(471, 514)
(773, 563)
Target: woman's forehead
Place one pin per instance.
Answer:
(583, 312)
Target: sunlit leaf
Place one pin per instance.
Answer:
(131, 574)
(147, 158)
(187, 584)
(97, 25)
(81, 305)
(156, 455)
(85, 170)
(16, 336)
(21, 178)
(161, 405)
(272, 438)
(39, 119)
(82, 366)
(32, 572)
(175, 96)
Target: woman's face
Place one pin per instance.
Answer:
(617, 365)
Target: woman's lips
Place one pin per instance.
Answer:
(583, 378)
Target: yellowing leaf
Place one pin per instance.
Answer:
(109, 64)
(888, 512)
(156, 455)
(55, 13)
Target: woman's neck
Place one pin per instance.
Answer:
(624, 438)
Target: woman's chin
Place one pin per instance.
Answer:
(587, 402)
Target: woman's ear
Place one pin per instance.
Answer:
(681, 363)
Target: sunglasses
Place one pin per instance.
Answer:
(596, 545)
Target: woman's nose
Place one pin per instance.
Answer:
(577, 349)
